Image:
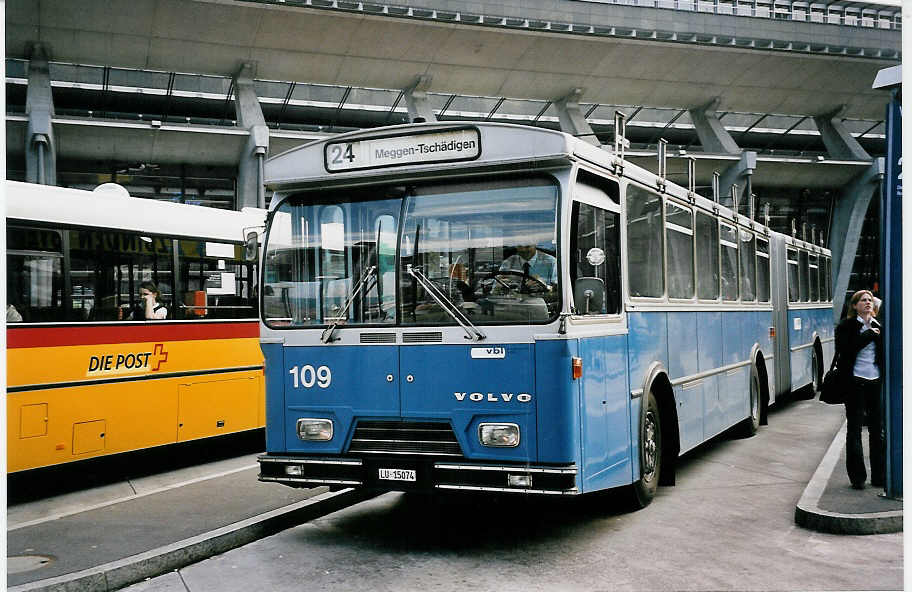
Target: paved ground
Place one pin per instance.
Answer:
(729, 524)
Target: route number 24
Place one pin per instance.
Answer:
(337, 153)
(307, 376)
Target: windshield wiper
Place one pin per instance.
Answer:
(446, 304)
(326, 337)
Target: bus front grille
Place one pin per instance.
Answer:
(405, 437)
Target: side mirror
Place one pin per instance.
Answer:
(589, 295)
(252, 247)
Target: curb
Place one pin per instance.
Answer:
(810, 515)
(130, 570)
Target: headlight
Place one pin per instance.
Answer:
(499, 434)
(315, 429)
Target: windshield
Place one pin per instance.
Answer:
(344, 257)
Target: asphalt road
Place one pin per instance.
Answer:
(728, 524)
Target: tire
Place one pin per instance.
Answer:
(810, 390)
(816, 374)
(749, 425)
(643, 491)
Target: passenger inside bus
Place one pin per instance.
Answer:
(150, 308)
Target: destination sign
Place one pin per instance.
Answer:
(461, 144)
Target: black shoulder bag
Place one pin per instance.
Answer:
(832, 391)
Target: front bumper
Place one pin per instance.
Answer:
(428, 474)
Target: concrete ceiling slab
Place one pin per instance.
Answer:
(334, 47)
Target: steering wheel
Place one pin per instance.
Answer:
(537, 286)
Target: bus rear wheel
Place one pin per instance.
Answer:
(643, 491)
(749, 426)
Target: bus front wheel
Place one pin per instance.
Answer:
(645, 488)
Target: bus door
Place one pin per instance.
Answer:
(784, 288)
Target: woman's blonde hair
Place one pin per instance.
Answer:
(851, 313)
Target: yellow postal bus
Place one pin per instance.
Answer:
(85, 379)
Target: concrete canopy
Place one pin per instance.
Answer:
(334, 47)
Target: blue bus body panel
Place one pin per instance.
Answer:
(801, 330)
(648, 342)
(709, 356)
(605, 398)
(448, 383)
(557, 402)
(683, 361)
(359, 387)
(274, 355)
(811, 321)
(733, 394)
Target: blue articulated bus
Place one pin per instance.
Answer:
(501, 308)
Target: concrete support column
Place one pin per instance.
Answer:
(251, 189)
(40, 147)
(848, 218)
(416, 100)
(713, 136)
(838, 140)
(572, 120)
(738, 173)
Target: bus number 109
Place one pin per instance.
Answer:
(307, 376)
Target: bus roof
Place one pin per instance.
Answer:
(433, 149)
(117, 210)
(426, 147)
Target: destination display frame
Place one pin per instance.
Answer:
(432, 146)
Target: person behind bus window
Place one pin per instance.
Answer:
(12, 315)
(859, 345)
(532, 263)
(150, 306)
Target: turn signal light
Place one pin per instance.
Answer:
(577, 368)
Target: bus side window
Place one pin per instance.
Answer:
(815, 278)
(707, 257)
(34, 275)
(829, 280)
(763, 270)
(748, 267)
(679, 234)
(215, 281)
(791, 261)
(728, 239)
(645, 254)
(803, 290)
(595, 265)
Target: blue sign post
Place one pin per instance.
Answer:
(891, 274)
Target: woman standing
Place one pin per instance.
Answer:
(859, 345)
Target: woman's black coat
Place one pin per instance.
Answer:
(850, 340)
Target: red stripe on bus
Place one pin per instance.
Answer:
(17, 337)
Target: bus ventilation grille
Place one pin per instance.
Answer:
(378, 338)
(426, 337)
(401, 437)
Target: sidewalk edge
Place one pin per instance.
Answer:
(809, 514)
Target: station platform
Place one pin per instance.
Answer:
(830, 504)
(107, 538)
(122, 533)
